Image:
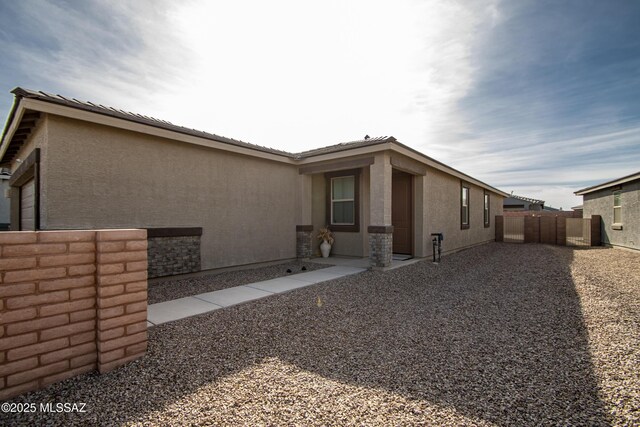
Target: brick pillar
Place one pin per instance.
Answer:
(380, 245)
(304, 241)
(531, 229)
(499, 228)
(596, 239)
(561, 231)
(548, 230)
(122, 297)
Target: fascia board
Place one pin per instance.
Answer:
(607, 185)
(11, 129)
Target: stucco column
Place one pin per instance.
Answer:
(380, 229)
(422, 244)
(304, 227)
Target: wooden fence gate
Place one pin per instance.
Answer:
(551, 230)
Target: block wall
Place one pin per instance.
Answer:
(169, 256)
(70, 302)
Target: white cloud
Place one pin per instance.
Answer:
(292, 76)
(111, 52)
(296, 75)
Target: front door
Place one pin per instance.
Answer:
(402, 212)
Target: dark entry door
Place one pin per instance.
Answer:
(402, 212)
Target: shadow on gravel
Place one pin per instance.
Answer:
(495, 332)
(497, 335)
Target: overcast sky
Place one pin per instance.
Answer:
(541, 98)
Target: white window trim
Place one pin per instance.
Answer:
(619, 207)
(487, 209)
(463, 206)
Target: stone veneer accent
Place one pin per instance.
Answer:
(304, 241)
(70, 302)
(380, 245)
(173, 251)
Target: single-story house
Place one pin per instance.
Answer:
(618, 203)
(4, 199)
(78, 165)
(515, 203)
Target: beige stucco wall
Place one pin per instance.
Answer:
(103, 177)
(346, 243)
(601, 203)
(442, 199)
(436, 209)
(94, 176)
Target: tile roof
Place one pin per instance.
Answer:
(163, 124)
(138, 118)
(526, 199)
(345, 146)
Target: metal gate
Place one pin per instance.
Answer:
(514, 229)
(578, 232)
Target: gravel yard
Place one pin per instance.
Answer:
(166, 290)
(502, 334)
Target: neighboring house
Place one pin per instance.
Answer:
(515, 203)
(88, 166)
(4, 200)
(578, 211)
(618, 203)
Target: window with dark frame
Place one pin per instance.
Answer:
(487, 209)
(464, 207)
(343, 200)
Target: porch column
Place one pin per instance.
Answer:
(380, 229)
(422, 242)
(304, 227)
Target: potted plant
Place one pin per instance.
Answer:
(327, 240)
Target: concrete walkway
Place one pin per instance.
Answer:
(169, 311)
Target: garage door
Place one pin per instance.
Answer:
(27, 205)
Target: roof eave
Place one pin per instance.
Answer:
(9, 128)
(608, 184)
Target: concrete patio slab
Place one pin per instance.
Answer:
(232, 296)
(281, 284)
(190, 306)
(178, 309)
(321, 276)
(342, 270)
(340, 261)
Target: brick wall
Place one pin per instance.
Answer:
(70, 302)
(531, 229)
(550, 230)
(499, 225)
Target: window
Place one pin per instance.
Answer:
(487, 221)
(464, 207)
(342, 200)
(617, 207)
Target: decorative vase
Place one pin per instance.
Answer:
(325, 248)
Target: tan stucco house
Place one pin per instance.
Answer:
(79, 165)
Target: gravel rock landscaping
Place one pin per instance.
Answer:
(501, 334)
(167, 290)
